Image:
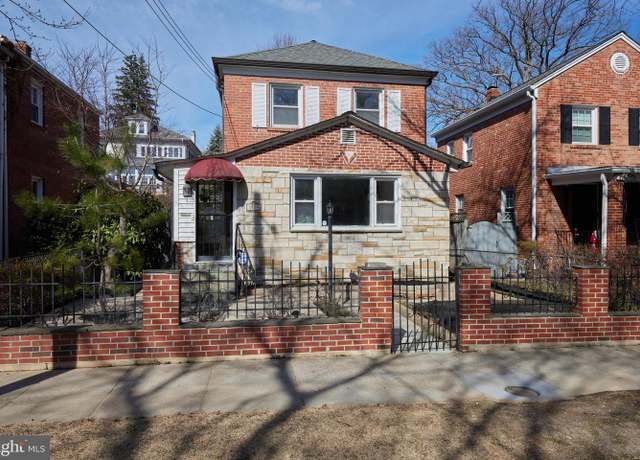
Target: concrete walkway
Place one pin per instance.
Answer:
(287, 384)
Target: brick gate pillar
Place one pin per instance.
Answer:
(161, 300)
(473, 292)
(592, 290)
(376, 303)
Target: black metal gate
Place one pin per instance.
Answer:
(424, 308)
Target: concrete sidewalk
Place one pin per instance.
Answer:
(284, 384)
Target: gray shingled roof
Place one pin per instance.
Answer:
(317, 53)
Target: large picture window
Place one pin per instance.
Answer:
(358, 202)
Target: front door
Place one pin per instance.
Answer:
(214, 220)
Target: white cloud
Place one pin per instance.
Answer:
(296, 6)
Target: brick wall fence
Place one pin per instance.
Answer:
(163, 339)
(588, 322)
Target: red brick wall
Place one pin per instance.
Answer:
(592, 82)
(33, 149)
(323, 151)
(162, 339)
(501, 159)
(590, 320)
(238, 131)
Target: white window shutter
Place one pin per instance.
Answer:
(381, 105)
(394, 110)
(312, 109)
(259, 105)
(344, 100)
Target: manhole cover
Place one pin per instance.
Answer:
(524, 392)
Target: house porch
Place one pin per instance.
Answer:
(599, 207)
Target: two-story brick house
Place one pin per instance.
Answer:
(304, 126)
(35, 109)
(558, 155)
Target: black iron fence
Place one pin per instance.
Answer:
(532, 287)
(624, 289)
(36, 293)
(424, 308)
(277, 291)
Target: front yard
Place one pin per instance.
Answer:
(605, 425)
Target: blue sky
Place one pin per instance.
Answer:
(225, 27)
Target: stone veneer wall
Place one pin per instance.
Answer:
(263, 206)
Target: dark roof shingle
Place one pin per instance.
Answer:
(314, 52)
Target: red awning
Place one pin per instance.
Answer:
(214, 169)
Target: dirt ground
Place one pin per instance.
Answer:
(605, 425)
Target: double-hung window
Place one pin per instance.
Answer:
(358, 201)
(36, 104)
(367, 104)
(459, 203)
(508, 204)
(467, 148)
(304, 199)
(583, 124)
(285, 106)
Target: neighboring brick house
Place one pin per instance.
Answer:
(304, 126)
(36, 107)
(557, 155)
(148, 144)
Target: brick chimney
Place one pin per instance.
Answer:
(23, 47)
(491, 94)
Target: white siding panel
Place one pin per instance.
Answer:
(184, 217)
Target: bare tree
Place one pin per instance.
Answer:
(21, 15)
(280, 40)
(507, 42)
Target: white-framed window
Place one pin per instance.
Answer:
(304, 198)
(459, 203)
(451, 148)
(37, 187)
(37, 115)
(467, 147)
(139, 128)
(508, 204)
(285, 106)
(367, 104)
(584, 121)
(359, 202)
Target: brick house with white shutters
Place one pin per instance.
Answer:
(307, 125)
(559, 154)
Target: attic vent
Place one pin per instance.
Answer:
(620, 63)
(348, 136)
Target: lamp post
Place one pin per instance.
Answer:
(330, 225)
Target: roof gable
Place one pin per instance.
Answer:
(352, 119)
